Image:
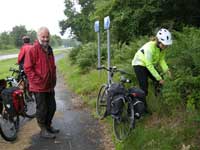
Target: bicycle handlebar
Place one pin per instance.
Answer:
(14, 70)
(113, 69)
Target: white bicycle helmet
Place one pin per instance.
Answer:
(164, 36)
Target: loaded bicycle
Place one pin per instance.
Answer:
(19, 79)
(13, 104)
(125, 105)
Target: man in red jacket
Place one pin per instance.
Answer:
(40, 69)
(23, 50)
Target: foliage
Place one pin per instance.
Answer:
(79, 23)
(17, 33)
(73, 53)
(55, 41)
(87, 56)
(6, 41)
(182, 57)
(130, 18)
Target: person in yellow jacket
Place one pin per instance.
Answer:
(150, 54)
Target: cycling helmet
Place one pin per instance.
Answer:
(26, 39)
(164, 36)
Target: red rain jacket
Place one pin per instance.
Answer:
(22, 53)
(40, 69)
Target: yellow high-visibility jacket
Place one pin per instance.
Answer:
(150, 55)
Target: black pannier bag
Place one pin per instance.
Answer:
(117, 104)
(13, 100)
(115, 99)
(137, 100)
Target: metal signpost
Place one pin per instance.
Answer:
(97, 29)
(106, 27)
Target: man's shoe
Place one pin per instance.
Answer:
(53, 130)
(47, 135)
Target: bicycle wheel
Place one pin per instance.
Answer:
(121, 125)
(30, 105)
(8, 127)
(101, 102)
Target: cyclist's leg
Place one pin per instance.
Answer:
(142, 75)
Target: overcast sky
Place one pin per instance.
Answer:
(32, 13)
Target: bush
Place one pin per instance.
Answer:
(73, 53)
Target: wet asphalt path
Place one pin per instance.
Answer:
(78, 129)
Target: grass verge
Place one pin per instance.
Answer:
(9, 51)
(5, 66)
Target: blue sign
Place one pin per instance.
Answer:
(107, 23)
(96, 26)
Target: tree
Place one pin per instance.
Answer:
(55, 41)
(79, 23)
(33, 35)
(6, 41)
(17, 33)
(130, 18)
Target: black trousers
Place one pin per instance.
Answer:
(143, 74)
(45, 108)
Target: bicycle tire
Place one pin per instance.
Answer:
(122, 125)
(9, 127)
(101, 102)
(30, 105)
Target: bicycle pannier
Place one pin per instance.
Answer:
(117, 105)
(13, 100)
(115, 99)
(137, 96)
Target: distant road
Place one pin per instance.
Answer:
(3, 57)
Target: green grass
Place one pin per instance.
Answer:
(161, 131)
(5, 66)
(58, 51)
(9, 51)
(85, 85)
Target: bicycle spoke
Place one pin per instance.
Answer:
(8, 129)
(122, 127)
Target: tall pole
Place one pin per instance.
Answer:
(108, 53)
(106, 27)
(97, 29)
(99, 52)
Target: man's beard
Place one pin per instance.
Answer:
(45, 46)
